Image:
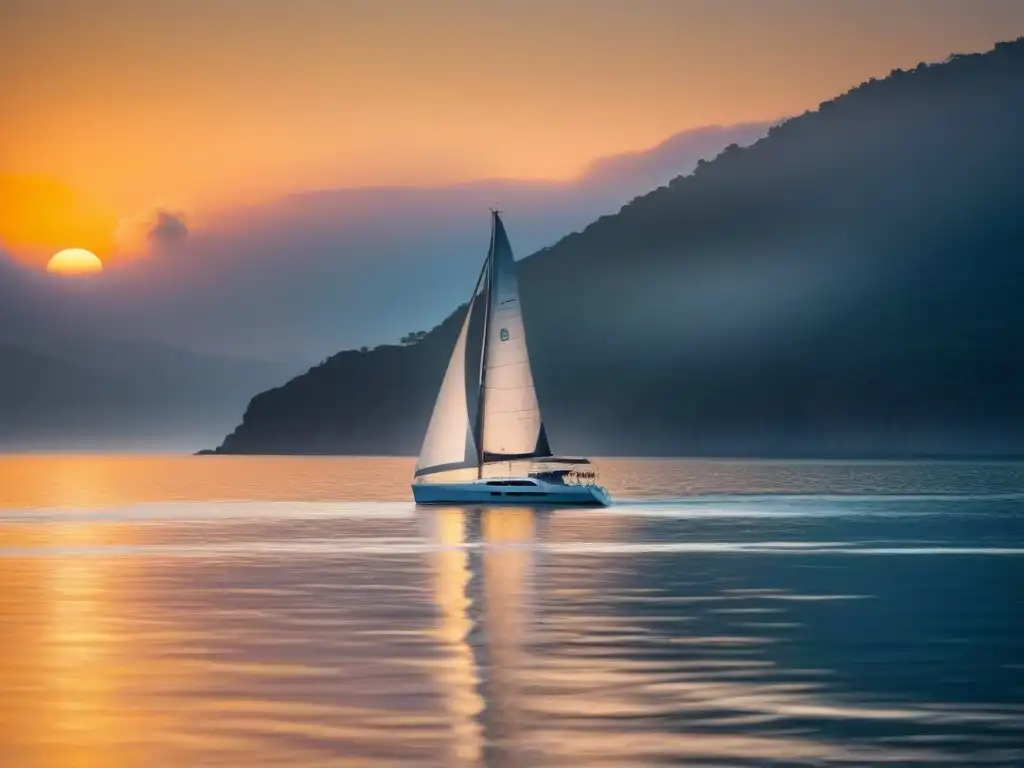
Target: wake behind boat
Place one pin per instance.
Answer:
(486, 441)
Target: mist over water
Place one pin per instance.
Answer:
(302, 611)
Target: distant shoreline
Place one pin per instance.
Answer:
(980, 458)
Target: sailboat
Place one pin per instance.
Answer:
(486, 441)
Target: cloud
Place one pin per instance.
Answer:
(168, 228)
(640, 172)
(304, 276)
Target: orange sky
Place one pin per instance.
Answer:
(112, 107)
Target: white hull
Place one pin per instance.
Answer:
(505, 491)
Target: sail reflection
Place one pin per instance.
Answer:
(458, 676)
(508, 571)
(482, 678)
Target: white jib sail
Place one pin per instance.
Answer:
(449, 438)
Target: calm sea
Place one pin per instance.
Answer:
(216, 611)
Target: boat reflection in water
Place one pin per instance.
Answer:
(483, 564)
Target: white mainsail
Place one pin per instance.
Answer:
(512, 426)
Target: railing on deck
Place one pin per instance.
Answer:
(578, 474)
(583, 475)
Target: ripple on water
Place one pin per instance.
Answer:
(786, 629)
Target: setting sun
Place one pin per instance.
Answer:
(75, 261)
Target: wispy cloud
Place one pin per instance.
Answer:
(307, 275)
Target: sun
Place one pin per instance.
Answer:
(74, 261)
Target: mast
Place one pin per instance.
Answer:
(489, 268)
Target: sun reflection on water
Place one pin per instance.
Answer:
(458, 675)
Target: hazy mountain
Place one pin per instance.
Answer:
(37, 391)
(851, 284)
(284, 282)
(66, 393)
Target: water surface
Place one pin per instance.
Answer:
(165, 611)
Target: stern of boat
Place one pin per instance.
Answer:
(600, 495)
